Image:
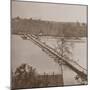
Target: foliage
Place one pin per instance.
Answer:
(32, 26)
(24, 76)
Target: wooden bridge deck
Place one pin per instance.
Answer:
(73, 65)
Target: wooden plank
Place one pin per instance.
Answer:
(73, 65)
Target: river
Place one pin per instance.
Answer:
(25, 51)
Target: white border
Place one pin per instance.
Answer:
(5, 44)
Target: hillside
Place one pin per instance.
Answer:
(41, 27)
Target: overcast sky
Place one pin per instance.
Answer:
(47, 11)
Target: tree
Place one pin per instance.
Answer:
(24, 77)
(63, 49)
(65, 52)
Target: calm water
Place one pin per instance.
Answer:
(78, 49)
(25, 51)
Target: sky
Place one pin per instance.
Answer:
(49, 11)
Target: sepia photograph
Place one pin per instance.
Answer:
(49, 44)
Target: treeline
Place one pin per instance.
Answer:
(26, 76)
(40, 27)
